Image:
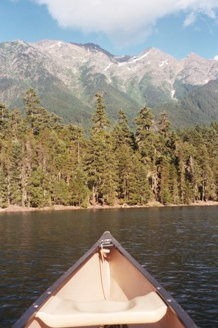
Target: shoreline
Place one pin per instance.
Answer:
(14, 208)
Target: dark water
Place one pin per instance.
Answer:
(178, 246)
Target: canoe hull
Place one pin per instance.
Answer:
(106, 287)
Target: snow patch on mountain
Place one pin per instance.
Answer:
(136, 59)
(173, 94)
(164, 62)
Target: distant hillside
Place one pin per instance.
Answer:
(67, 76)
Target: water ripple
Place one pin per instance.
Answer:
(178, 246)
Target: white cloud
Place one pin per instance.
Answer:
(216, 57)
(190, 19)
(123, 18)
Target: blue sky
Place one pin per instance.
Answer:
(119, 26)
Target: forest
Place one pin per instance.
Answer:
(44, 162)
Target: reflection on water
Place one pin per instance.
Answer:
(177, 245)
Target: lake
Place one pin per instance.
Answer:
(177, 245)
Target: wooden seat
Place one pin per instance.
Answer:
(60, 312)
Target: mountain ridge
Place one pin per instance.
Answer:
(73, 73)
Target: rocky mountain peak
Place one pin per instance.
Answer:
(94, 48)
(193, 55)
(70, 74)
(122, 59)
(197, 70)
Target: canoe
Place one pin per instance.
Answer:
(106, 288)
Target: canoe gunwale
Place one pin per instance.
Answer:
(30, 312)
(166, 296)
(107, 241)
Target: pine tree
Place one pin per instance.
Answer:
(207, 186)
(144, 192)
(44, 162)
(37, 116)
(145, 134)
(164, 125)
(79, 192)
(124, 171)
(165, 195)
(181, 171)
(3, 188)
(173, 184)
(4, 121)
(100, 119)
(121, 132)
(14, 174)
(5, 142)
(35, 189)
(123, 144)
(100, 159)
(60, 193)
(146, 142)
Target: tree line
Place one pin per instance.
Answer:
(44, 162)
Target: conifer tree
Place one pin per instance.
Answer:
(145, 134)
(165, 195)
(164, 125)
(14, 174)
(100, 119)
(143, 192)
(37, 117)
(35, 188)
(60, 193)
(4, 121)
(146, 142)
(3, 188)
(173, 184)
(125, 172)
(44, 162)
(79, 192)
(100, 158)
(5, 142)
(18, 127)
(207, 185)
(123, 150)
(121, 132)
(181, 171)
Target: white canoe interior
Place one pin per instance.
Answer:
(107, 289)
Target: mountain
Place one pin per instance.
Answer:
(68, 75)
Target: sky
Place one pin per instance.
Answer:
(122, 27)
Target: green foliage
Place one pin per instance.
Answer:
(44, 162)
(79, 192)
(164, 125)
(145, 134)
(121, 132)
(165, 194)
(100, 119)
(100, 160)
(60, 195)
(4, 120)
(140, 190)
(15, 191)
(3, 188)
(35, 188)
